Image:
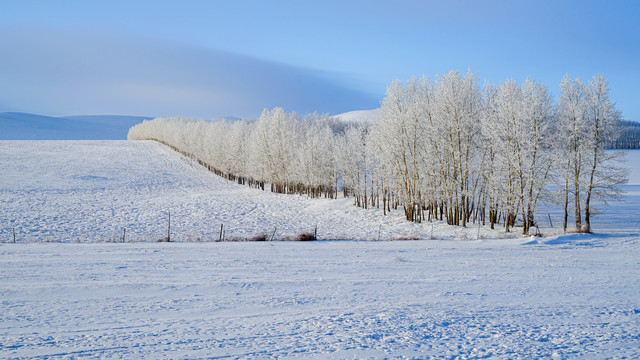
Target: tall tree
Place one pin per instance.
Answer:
(536, 161)
(572, 128)
(604, 176)
(399, 136)
(588, 117)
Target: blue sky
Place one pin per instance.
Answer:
(215, 58)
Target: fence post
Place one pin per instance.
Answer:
(14, 235)
(169, 229)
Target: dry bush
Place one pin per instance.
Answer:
(261, 237)
(407, 237)
(255, 238)
(308, 236)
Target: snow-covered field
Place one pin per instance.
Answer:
(91, 191)
(567, 296)
(413, 299)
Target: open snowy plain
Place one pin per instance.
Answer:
(462, 296)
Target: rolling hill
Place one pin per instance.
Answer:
(24, 126)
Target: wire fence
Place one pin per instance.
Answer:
(32, 233)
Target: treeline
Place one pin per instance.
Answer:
(629, 137)
(451, 149)
(285, 152)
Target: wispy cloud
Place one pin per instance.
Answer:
(56, 72)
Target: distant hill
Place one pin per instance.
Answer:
(358, 116)
(230, 118)
(23, 126)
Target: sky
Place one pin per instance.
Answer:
(208, 59)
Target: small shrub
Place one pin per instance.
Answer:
(261, 237)
(256, 238)
(407, 237)
(584, 229)
(309, 236)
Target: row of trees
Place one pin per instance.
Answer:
(450, 148)
(629, 136)
(281, 150)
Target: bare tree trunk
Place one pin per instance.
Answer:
(566, 201)
(384, 203)
(587, 208)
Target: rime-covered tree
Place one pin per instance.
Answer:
(535, 160)
(458, 104)
(400, 136)
(444, 149)
(572, 127)
(586, 119)
(604, 175)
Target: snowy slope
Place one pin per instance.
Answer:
(358, 115)
(92, 190)
(22, 126)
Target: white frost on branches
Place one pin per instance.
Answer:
(449, 149)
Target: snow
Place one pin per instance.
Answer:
(91, 191)
(633, 164)
(358, 115)
(618, 217)
(335, 299)
(504, 296)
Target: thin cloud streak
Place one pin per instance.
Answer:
(58, 73)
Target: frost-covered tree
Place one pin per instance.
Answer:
(458, 104)
(506, 136)
(586, 119)
(399, 137)
(353, 163)
(534, 156)
(492, 170)
(271, 152)
(572, 128)
(317, 157)
(439, 149)
(604, 175)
